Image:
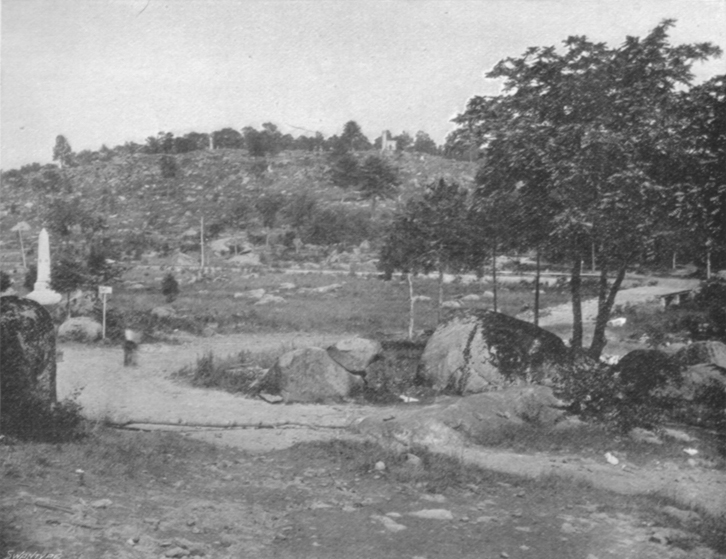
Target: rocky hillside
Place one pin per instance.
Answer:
(143, 195)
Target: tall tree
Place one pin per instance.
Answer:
(377, 180)
(424, 144)
(352, 138)
(62, 152)
(431, 233)
(595, 130)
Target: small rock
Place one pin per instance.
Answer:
(433, 514)
(678, 435)
(380, 466)
(611, 458)
(434, 498)
(413, 461)
(682, 515)
(389, 523)
(640, 435)
(270, 398)
(176, 552)
(101, 503)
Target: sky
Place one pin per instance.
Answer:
(111, 71)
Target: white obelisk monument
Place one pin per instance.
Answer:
(42, 293)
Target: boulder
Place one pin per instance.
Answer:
(452, 420)
(480, 350)
(163, 312)
(700, 377)
(309, 375)
(27, 354)
(80, 329)
(703, 352)
(355, 354)
(255, 294)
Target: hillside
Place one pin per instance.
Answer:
(223, 186)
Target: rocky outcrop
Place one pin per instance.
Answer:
(712, 352)
(27, 354)
(451, 420)
(309, 375)
(80, 329)
(482, 350)
(355, 354)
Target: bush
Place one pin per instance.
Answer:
(169, 287)
(29, 419)
(629, 394)
(338, 225)
(5, 281)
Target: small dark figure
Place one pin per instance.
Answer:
(131, 348)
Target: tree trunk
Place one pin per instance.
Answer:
(708, 262)
(604, 308)
(494, 274)
(441, 294)
(575, 284)
(411, 310)
(536, 290)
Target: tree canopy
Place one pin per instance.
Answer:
(591, 136)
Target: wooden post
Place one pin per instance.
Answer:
(201, 241)
(103, 331)
(494, 274)
(22, 249)
(410, 295)
(536, 291)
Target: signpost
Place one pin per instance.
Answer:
(103, 291)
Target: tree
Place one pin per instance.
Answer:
(378, 180)
(404, 141)
(424, 144)
(62, 152)
(169, 287)
(227, 138)
(254, 141)
(352, 138)
(594, 130)
(68, 274)
(700, 206)
(344, 170)
(432, 233)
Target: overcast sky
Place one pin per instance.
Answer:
(111, 71)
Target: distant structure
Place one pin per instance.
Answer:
(388, 144)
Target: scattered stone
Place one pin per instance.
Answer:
(451, 305)
(413, 461)
(101, 503)
(287, 286)
(270, 398)
(678, 435)
(176, 552)
(640, 435)
(433, 497)
(389, 523)
(255, 294)
(433, 514)
(269, 299)
(712, 352)
(380, 466)
(617, 322)
(471, 297)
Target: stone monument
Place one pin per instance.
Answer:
(42, 293)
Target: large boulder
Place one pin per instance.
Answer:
(309, 375)
(644, 373)
(80, 329)
(355, 354)
(27, 354)
(476, 418)
(712, 352)
(481, 350)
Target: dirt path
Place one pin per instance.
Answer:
(146, 395)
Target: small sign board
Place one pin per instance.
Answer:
(104, 290)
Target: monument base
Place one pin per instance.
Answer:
(46, 297)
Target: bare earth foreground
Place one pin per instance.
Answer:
(274, 501)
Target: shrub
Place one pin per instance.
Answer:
(169, 287)
(5, 281)
(31, 276)
(29, 419)
(629, 394)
